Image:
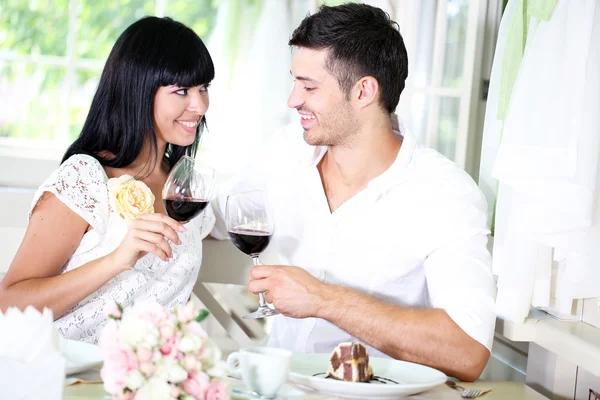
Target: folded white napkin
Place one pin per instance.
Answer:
(31, 363)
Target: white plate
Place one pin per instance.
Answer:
(412, 378)
(80, 356)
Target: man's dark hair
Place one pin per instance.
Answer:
(362, 41)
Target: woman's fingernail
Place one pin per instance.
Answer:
(182, 228)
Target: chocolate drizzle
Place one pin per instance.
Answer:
(379, 379)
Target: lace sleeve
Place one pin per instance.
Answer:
(80, 183)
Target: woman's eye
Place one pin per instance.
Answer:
(182, 92)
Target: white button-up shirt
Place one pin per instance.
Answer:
(416, 236)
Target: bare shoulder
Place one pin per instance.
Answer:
(49, 210)
(53, 234)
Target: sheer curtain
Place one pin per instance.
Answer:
(249, 96)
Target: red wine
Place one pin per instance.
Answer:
(250, 241)
(183, 209)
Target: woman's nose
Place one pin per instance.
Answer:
(198, 103)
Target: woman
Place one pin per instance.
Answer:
(79, 253)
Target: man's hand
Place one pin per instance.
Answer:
(293, 291)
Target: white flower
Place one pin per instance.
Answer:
(190, 343)
(169, 369)
(218, 370)
(138, 332)
(154, 389)
(210, 353)
(129, 198)
(134, 379)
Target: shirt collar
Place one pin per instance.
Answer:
(391, 176)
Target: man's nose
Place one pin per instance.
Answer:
(295, 100)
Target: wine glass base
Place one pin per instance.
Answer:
(262, 312)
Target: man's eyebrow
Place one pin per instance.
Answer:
(304, 78)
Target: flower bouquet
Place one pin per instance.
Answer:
(151, 353)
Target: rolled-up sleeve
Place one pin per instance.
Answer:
(458, 268)
(460, 282)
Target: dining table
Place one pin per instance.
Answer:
(499, 391)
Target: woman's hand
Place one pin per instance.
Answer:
(148, 233)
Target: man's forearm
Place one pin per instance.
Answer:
(424, 336)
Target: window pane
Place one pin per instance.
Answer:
(199, 15)
(101, 23)
(34, 27)
(423, 59)
(338, 2)
(81, 99)
(457, 13)
(419, 112)
(30, 97)
(448, 126)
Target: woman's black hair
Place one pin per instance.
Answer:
(151, 53)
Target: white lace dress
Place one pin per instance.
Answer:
(80, 183)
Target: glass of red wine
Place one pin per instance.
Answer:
(250, 228)
(188, 189)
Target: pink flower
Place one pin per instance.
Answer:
(167, 330)
(188, 312)
(196, 384)
(151, 311)
(218, 390)
(195, 328)
(190, 362)
(175, 392)
(113, 310)
(144, 354)
(119, 359)
(168, 348)
(147, 368)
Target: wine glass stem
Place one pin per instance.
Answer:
(261, 297)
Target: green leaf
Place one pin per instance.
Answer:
(202, 316)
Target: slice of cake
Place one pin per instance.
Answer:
(350, 362)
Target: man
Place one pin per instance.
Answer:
(382, 240)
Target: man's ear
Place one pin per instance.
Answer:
(367, 89)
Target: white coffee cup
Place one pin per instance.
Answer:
(263, 369)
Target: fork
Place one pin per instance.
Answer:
(467, 393)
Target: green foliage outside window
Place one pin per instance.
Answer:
(33, 94)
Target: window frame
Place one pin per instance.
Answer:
(34, 158)
(468, 132)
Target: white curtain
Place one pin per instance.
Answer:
(547, 162)
(252, 82)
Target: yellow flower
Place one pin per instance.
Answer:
(130, 198)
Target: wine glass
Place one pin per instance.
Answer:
(250, 227)
(188, 189)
